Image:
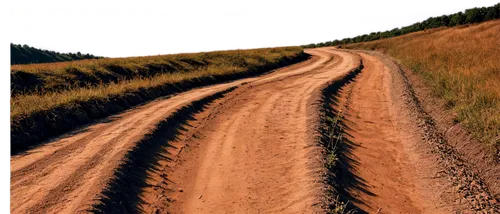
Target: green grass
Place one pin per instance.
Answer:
(461, 65)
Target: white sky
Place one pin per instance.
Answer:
(137, 28)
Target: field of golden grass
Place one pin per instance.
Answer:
(51, 85)
(461, 65)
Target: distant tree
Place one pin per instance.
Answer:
(438, 21)
(384, 34)
(491, 13)
(394, 32)
(418, 26)
(473, 15)
(497, 6)
(433, 22)
(457, 19)
(444, 20)
(364, 37)
(24, 54)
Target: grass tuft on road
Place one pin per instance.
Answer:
(461, 65)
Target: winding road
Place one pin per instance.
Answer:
(253, 150)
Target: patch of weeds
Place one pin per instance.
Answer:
(335, 138)
(340, 207)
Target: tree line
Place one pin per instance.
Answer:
(24, 54)
(470, 16)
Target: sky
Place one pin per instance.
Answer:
(139, 28)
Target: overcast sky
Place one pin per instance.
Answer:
(137, 28)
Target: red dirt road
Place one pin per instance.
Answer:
(68, 174)
(394, 175)
(255, 150)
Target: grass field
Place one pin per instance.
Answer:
(461, 65)
(58, 84)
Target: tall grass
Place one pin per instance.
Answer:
(461, 65)
(67, 83)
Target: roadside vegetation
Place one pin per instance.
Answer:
(335, 145)
(52, 98)
(461, 65)
(58, 84)
(24, 54)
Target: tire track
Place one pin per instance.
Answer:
(258, 153)
(144, 157)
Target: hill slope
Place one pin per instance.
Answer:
(461, 66)
(469, 16)
(24, 54)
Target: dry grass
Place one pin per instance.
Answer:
(61, 83)
(462, 66)
(48, 77)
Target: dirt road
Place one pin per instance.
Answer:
(67, 174)
(254, 150)
(392, 176)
